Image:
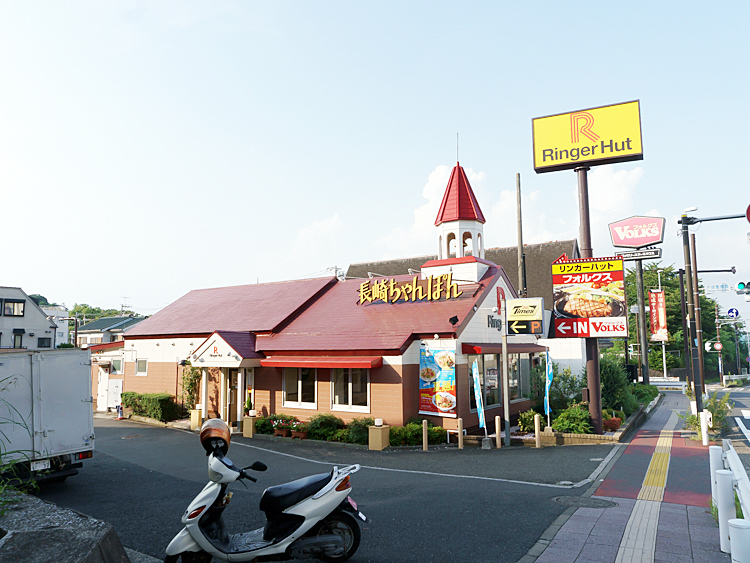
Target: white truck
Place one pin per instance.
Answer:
(46, 413)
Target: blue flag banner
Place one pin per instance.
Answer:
(548, 384)
(478, 393)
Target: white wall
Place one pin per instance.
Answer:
(34, 321)
(567, 352)
(161, 349)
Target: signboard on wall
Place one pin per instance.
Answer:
(658, 311)
(589, 298)
(437, 380)
(589, 137)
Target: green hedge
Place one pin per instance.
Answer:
(160, 406)
(411, 434)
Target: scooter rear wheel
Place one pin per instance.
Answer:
(189, 557)
(344, 526)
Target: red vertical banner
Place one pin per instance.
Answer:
(658, 313)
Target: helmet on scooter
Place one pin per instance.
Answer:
(215, 434)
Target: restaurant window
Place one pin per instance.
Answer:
(14, 307)
(350, 389)
(489, 379)
(141, 367)
(518, 375)
(299, 388)
(44, 343)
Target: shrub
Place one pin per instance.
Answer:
(411, 434)
(575, 419)
(612, 424)
(191, 379)
(324, 426)
(630, 404)
(526, 421)
(266, 424)
(341, 435)
(566, 387)
(160, 406)
(614, 382)
(359, 430)
(644, 393)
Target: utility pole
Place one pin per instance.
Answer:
(685, 221)
(521, 256)
(698, 321)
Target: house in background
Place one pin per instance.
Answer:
(58, 315)
(23, 325)
(105, 330)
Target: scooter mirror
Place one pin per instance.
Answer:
(258, 466)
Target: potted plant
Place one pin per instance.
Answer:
(299, 430)
(282, 428)
(249, 410)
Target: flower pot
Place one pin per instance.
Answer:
(252, 412)
(283, 432)
(301, 434)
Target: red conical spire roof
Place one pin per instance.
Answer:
(459, 201)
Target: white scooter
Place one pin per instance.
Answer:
(310, 517)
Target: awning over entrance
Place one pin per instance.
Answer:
(521, 348)
(367, 362)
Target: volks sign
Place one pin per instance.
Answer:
(637, 232)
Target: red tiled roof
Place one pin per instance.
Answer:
(336, 322)
(459, 201)
(241, 342)
(106, 346)
(245, 308)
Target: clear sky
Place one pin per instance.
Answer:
(151, 148)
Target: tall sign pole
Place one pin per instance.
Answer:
(642, 320)
(576, 141)
(698, 320)
(593, 380)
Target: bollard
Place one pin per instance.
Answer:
(425, 437)
(715, 462)
(704, 426)
(538, 430)
(498, 435)
(460, 433)
(739, 540)
(725, 505)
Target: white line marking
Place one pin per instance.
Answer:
(745, 413)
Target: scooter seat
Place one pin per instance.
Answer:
(279, 498)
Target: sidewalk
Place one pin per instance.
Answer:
(658, 493)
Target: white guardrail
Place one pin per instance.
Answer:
(664, 383)
(728, 476)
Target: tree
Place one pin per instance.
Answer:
(92, 313)
(41, 300)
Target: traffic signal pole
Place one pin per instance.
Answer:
(685, 221)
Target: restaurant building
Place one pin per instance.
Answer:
(390, 347)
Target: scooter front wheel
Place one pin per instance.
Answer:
(189, 557)
(344, 526)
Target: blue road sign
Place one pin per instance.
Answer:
(733, 313)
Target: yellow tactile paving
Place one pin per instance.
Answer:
(639, 540)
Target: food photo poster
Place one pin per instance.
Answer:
(437, 381)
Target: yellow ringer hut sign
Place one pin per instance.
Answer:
(602, 135)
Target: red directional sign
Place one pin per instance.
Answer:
(747, 213)
(591, 328)
(718, 345)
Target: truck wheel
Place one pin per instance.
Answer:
(344, 526)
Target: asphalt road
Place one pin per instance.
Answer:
(441, 505)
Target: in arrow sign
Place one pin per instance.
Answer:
(515, 326)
